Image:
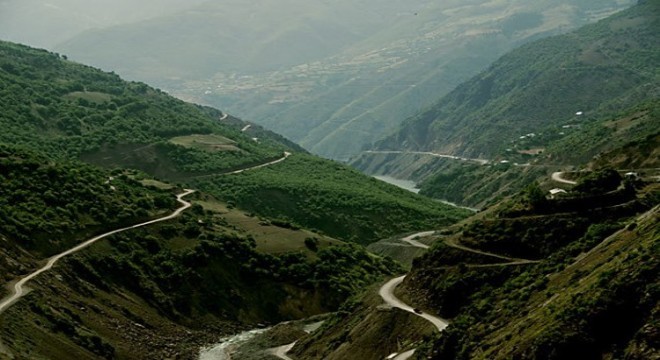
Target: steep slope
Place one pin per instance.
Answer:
(533, 278)
(335, 200)
(600, 304)
(596, 70)
(72, 111)
(206, 273)
(47, 206)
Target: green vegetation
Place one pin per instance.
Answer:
(214, 268)
(70, 110)
(47, 206)
(558, 101)
(600, 304)
(330, 198)
(206, 268)
(477, 185)
(73, 111)
(563, 300)
(171, 267)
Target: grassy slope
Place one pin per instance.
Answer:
(331, 198)
(600, 304)
(67, 109)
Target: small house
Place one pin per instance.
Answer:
(554, 193)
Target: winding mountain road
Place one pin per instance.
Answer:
(411, 239)
(455, 245)
(558, 177)
(387, 293)
(286, 155)
(479, 161)
(276, 161)
(18, 290)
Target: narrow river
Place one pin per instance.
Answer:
(404, 184)
(224, 349)
(412, 187)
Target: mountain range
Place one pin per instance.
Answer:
(331, 78)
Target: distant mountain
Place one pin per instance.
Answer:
(557, 101)
(333, 78)
(564, 80)
(229, 37)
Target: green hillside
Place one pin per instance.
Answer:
(596, 70)
(72, 111)
(333, 199)
(594, 298)
(531, 278)
(208, 271)
(67, 109)
(522, 114)
(219, 267)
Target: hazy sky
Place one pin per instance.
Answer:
(46, 23)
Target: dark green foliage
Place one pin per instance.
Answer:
(312, 244)
(47, 206)
(605, 317)
(332, 198)
(599, 182)
(535, 197)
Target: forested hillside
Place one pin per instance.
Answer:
(72, 110)
(335, 200)
(205, 273)
(534, 277)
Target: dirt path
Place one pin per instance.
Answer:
(455, 245)
(387, 293)
(284, 157)
(558, 177)
(410, 239)
(478, 161)
(18, 290)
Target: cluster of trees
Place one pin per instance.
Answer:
(47, 205)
